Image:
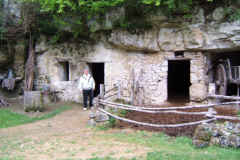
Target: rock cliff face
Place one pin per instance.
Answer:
(151, 50)
(201, 34)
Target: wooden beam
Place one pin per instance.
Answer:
(222, 97)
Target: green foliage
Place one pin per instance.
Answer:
(135, 16)
(46, 25)
(131, 26)
(8, 119)
(112, 121)
(121, 112)
(187, 16)
(3, 30)
(233, 14)
(103, 158)
(56, 16)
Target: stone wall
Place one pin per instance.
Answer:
(118, 65)
(225, 135)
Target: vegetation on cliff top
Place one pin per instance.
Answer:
(53, 17)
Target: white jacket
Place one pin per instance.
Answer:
(86, 82)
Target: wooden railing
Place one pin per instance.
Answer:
(211, 113)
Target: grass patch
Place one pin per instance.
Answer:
(164, 147)
(72, 142)
(9, 119)
(103, 158)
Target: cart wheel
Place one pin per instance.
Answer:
(221, 80)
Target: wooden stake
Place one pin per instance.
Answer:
(141, 87)
(211, 110)
(132, 95)
(119, 89)
(101, 91)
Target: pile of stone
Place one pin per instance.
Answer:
(225, 135)
(98, 119)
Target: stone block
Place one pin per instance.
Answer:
(223, 141)
(92, 122)
(234, 141)
(102, 117)
(236, 128)
(214, 141)
(32, 101)
(200, 143)
(202, 135)
(198, 92)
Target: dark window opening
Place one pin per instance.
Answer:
(179, 54)
(178, 81)
(63, 71)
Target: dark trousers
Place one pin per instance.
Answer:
(87, 93)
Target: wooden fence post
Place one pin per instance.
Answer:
(237, 95)
(132, 95)
(141, 87)
(119, 89)
(101, 91)
(211, 110)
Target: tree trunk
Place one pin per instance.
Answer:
(30, 67)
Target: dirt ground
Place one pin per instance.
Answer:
(66, 136)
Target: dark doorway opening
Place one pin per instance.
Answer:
(178, 80)
(98, 75)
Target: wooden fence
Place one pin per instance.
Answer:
(3, 101)
(101, 100)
